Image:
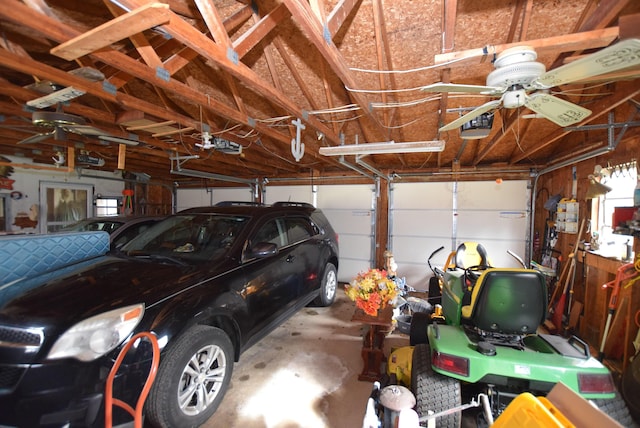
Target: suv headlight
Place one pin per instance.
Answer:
(98, 335)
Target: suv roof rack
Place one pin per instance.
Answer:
(292, 204)
(238, 203)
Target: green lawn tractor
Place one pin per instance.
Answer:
(484, 339)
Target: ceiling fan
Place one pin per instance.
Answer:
(58, 123)
(519, 80)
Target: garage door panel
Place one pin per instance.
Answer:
(345, 196)
(421, 223)
(422, 195)
(353, 266)
(508, 195)
(355, 247)
(289, 193)
(353, 221)
(349, 208)
(491, 224)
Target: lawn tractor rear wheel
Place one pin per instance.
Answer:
(617, 409)
(434, 392)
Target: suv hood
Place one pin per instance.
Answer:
(73, 293)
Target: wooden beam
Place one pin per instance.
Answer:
(552, 45)
(260, 30)
(339, 15)
(122, 155)
(138, 20)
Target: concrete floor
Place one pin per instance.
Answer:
(304, 374)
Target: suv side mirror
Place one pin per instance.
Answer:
(262, 250)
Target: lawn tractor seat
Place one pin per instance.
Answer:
(472, 257)
(508, 301)
(471, 254)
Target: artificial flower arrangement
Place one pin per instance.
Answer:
(372, 290)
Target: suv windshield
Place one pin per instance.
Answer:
(197, 237)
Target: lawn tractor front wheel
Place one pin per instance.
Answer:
(434, 392)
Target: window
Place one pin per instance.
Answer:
(298, 229)
(622, 180)
(63, 204)
(106, 206)
(271, 232)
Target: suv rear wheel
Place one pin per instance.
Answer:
(328, 287)
(192, 379)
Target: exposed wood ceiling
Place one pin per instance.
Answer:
(244, 71)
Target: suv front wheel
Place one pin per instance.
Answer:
(192, 379)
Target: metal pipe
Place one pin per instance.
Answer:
(353, 167)
(376, 171)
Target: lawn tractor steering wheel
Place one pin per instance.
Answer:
(472, 271)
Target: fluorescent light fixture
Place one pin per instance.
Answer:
(119, 140)
(390, 147)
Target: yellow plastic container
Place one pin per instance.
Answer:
(527, 411)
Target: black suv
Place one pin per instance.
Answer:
(208, 282)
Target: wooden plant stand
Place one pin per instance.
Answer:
(373, 341)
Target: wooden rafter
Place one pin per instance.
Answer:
(197, 41)
(261, 28)
(138, 20)
(551, 45)
(216, 27)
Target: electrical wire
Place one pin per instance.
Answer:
(411, 70)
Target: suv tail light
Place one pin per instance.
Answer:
(589, 383)
(451, 363)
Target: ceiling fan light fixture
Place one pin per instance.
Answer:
(390, 147)
(514, 99)
(478, 127)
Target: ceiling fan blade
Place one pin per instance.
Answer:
(622, 55)
(452, 87)
(471, 115)
(37, 138)
(85, 130)
(557, 110)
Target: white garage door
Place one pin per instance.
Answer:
(350, 209)
(426, 216)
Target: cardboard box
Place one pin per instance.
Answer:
(578, 410)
